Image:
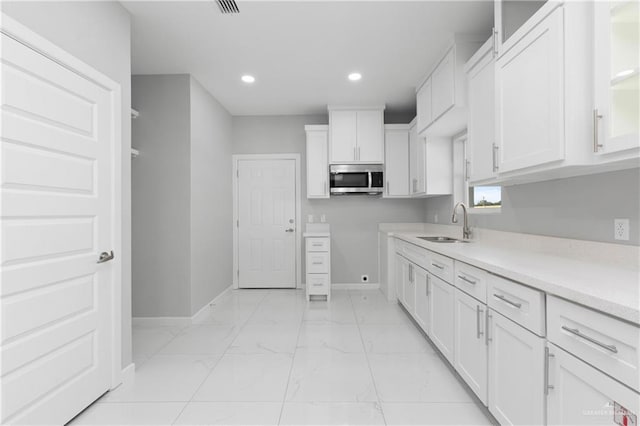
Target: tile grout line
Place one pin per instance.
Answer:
(293, 358)
(216, 364)
(366, 354)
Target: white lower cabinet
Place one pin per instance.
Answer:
(410, 289)
(470, 360)
(318, 266)
(421, 279)
(441, 318)
(402, 275)
(516, 372)
(578, 394)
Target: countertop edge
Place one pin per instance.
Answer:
(611, 308)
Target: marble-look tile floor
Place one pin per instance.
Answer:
(270, 357)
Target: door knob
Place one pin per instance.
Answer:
(289, 230)
(105, 257)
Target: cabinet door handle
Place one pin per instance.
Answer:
(547, 356)
(495, 158)
(358, 153)
(387, 187)
(495, 42)
(478, 314)
(428, 284)
(354, 154)
(577, 333)
(437, 265)
(487, 338)
(325, 188)
(466, 170)
(596, 130)
(467, 280)
(505, 300)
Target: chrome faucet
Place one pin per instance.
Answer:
(466, 231)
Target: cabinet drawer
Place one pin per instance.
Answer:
(521, 304)
(317, 284)
(415, 254)
(318, 263)
(471, 280)
(441, 267)
(318, 244)
(606, 343)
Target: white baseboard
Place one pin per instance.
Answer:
(355, 286)
(128, 372)
(180, 321)
(206, 309)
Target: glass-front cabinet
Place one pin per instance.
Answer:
(616, 112)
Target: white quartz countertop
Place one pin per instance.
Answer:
(609, 288)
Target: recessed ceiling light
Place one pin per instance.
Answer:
(355, 76)
(248, 78)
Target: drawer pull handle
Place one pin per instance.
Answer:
(577, 332)
(318, 285)
(478, 314)
(504, 299)
(436, 265)
(467, 280)
(317, 263)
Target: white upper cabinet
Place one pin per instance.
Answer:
(317, 164)
(514, 18)
(441, 96)
(423, 106)
(356, 135)
(396, 160)
(430, 165)
(417, 162)
(530, 98)
(343, 128)
(617, 76)
(481, 124)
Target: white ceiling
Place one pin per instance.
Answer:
(301, 51)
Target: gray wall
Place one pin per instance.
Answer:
(182, 200)
(580, 207)
(161, 196)
(354, 220)
(211, 198)
(99, 34)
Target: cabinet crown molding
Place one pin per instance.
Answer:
(355, 108)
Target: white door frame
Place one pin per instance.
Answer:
(26, 36)
(235, 159)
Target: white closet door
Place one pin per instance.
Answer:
(266, 228)
(58, 144)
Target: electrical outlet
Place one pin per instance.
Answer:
(621, 229)
(310, 218)
(323, 218)
(364, 278)
(435, 218)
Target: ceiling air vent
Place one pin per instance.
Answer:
(228, 6)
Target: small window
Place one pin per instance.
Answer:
(485, 197)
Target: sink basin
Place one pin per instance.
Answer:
(443, 240)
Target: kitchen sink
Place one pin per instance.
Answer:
(443, 240)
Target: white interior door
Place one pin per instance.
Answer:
(266, 223)
(57, 150)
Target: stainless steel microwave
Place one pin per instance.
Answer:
(346, 179)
